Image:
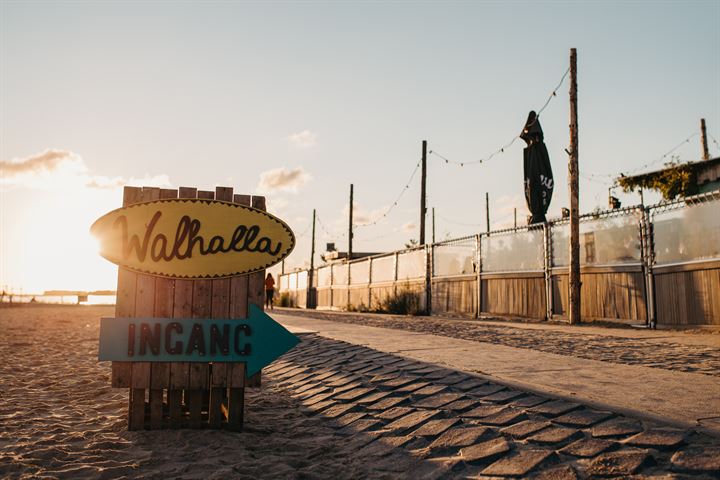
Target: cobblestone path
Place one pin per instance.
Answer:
(628, 351)
(417, 420)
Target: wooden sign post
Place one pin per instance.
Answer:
(195, 391)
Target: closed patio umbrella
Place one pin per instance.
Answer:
(538, 172)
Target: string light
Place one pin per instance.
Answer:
(327, 233)
(591, 176)
(514, 139)
(394, 204)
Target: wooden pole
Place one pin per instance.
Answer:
(312, 243)
(487, 210)
(423, 181)
(433, 224)
(515, 216)
(310, 299)
(574, 283)
(350, 225)
(703, 139)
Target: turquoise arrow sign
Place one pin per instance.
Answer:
(256, 340)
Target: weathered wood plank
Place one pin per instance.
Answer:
(125, 302)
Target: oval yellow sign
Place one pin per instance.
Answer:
(192, 238)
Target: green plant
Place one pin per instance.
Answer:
(675, 180)
(402, 302)
(285, 300)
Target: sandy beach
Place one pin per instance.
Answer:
(59, 417)
(327, 409)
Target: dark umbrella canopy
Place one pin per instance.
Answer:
(538, 172)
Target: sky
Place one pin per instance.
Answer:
(298, 100)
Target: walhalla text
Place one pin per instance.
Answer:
(188, 240)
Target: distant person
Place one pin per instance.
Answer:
(269, 290)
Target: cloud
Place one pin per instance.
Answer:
(409, 227)
(47, 161)
(282, 179)
(62, 170)
(361, 216)
(304, 139)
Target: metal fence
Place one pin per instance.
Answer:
(659, 263)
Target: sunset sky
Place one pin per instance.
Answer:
(298, 100)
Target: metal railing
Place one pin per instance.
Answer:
(634, 238)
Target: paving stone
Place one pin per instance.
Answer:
(451, 379)
(439, 374)
(619, 463)
(318, 397)
(525, 428)
(588, 447)
(411, 387)
(486, 390)
(506, 417)
(562, 472)
(503, 396)
(485, 452)
(394, 413)
(309, 392)
(704, 459)
(353, 367)
(319, 406)
(373, 397)
(529, 401)
(429, 390)
(368, 369)
(460, 405)
(347, 419)
(459, 437)
(397, 382)
(484, 411)
(437, 401)
(337, 410)
(353, 394)
(384, 446)
(435, 427)
(470, 384)
(384, 377)
(422, 370)
(324, 375)
(554, 408)
(388, 402)
(616, 427)
(411, 420)
(555, 435)
(362, 425)
(658, 439)
(582, 418)
(520, 464)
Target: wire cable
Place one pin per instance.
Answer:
(513, 140)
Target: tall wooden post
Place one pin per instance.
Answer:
(312, 244)
(350, 225)
(515, 217)
(310, 299)
(423, 180)
(433, 224)
(574, 276)
(703, 140)
(487, 210)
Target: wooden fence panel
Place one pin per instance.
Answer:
(456, 296)
(605, 295)
(519, 296)
(688, 297)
